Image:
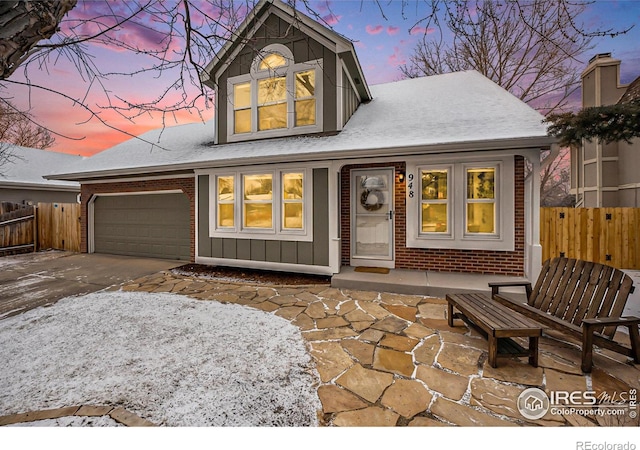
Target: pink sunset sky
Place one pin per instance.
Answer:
(384, 40)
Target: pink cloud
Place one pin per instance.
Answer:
(397, 58)
(331, 19)
(374, 29)
(392, 31)
(360, 44)
(421, 30)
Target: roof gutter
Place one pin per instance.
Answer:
(541, 143)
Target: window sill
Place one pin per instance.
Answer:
(265, 236)
(280, 132)
(466, 243)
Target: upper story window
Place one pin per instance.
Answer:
(277, 98)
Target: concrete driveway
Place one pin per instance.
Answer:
(36, 279)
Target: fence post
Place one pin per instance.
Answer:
(35, 228)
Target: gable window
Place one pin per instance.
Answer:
(460, 205)
(277, 98)
(262, 203)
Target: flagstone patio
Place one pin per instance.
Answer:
(391, 360)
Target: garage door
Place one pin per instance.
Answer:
(153, 225)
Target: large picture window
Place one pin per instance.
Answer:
(259, 204)
(278, 97)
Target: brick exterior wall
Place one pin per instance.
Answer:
(186, 185)
(441, 260)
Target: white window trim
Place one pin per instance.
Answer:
(287, 71)
(502, 240)
(277, 232)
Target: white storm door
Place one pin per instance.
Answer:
(372, 217)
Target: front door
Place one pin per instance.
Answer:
(372, 217)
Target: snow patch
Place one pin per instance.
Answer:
(169, 359)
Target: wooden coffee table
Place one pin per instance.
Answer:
(498, 323)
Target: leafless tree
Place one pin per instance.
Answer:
(530, 48)
(19, 128)
(173, 42)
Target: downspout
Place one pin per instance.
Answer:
(533, 249)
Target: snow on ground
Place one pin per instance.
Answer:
(72, 421)
(172, 360)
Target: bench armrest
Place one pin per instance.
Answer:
(627, 320)
(495, 287)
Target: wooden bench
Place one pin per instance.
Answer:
(498, 323)
(584, 300)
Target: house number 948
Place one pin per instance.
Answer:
(410, 185)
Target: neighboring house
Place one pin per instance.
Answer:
(306, 168)
(606, 175)
(22, 176)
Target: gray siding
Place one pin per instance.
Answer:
(291, 252)
(277, 31)
(350, 100)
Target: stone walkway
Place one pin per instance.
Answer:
(120, 415)
(391, 360)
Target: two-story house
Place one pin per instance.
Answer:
(307, 168)
(606, 174)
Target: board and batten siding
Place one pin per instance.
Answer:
(304, 49)
(291, 252)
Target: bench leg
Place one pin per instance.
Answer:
(587, 348)
(493, 350)
(533, 351)
(450, 314)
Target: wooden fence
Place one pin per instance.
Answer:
(45, 226)
(18, 230)
(605, 235)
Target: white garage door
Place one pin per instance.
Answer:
(153, 225)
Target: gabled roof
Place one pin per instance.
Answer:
(336, 42)
(27, 166)
(461, 111)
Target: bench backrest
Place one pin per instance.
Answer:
(574, 290)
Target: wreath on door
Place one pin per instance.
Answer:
(372, 199)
